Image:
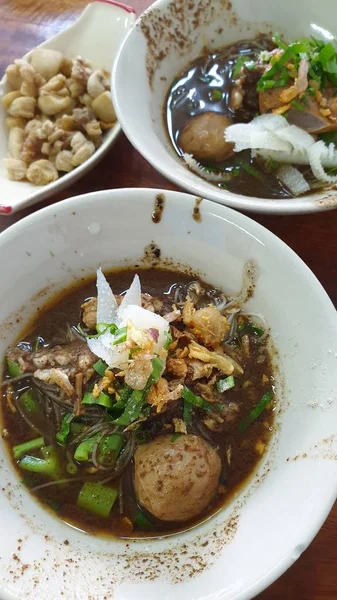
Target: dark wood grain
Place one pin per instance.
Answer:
(26, 23)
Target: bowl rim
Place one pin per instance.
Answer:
(234, 218)
(303, 205)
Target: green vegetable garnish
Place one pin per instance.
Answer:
(29, 403)
(21, 449)
(255, 413)
(62, 435)
(175, 437)
(142, 521)
(297, 105)
(120, 336)
(157, 366)
(137, 399)
(48, 465)
(71, 468)
(256, 330)
(225, 384)
(272, 164)
(169, 339)
(13, 368)
(187, 413)
(103, 399)
(252, 170)
(321, 56)
(83, 450)
(215, 95)
(132, 410)
(97, 498)
(191, 398)
(238, 66)
(100, 367)
(109, 448)
(278, 42)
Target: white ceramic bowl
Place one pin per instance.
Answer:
(268, 525)
(165, 40)
(96, 35)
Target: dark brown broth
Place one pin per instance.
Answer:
(244, 454)
(190, 95)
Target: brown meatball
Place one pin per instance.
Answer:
(176, 480)
(203, 137)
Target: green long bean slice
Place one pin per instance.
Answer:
(255, 413)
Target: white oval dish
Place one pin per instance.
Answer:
(165, 40)
(251, 542)
(96, 35)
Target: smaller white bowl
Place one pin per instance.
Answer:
(96, 35)
(165, 40)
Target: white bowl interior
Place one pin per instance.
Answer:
(258, 535)
(179, 37)
(96, 35)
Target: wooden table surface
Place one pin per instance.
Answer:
(26, 23)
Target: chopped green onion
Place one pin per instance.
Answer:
(215, 95)
(21, 449)
(225, 384)
(120, 336)
(238, 66)
(100, 367)
(142, 521)
(241, 326)
(250, 65)
(191, 398)
(103, 327)
(83, 450)
(97, 498)
(255, 413)
(103, 399)
(124, 393)
(256, 330)
(324, 56)
(132, 410)
(272, 164)
(168, 338)
(297, 105)
(62, 435)
(278, 42)
(109, 448)
(157, 369)
(13, 368)
(252, 170)
(175, 437)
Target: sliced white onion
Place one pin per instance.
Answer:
(317, 153)
(293, 179)
(132, 297)
(199, 170)
(129, 313)
(297, 137)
